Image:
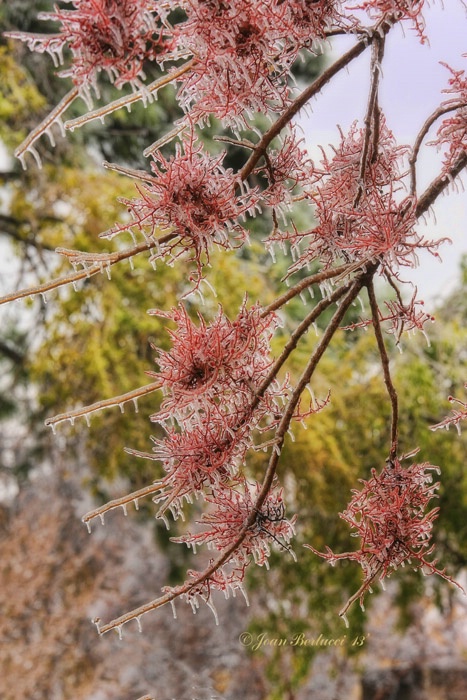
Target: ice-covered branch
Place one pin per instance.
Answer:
(120, 401)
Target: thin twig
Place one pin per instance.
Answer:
(386, 371)
(421, 135)
(100, 405)
(439, 184)
(129, 172)
(128, 100)
(317, 278)
(121, 502)
(99, 260)
(371, 120)
(45, 126)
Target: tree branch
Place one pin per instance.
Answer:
(45, 127)
(421, 135)
(128, 100)
(100, 405)
(260, 150)
(98, 260)
(386, 371)
(439, 184)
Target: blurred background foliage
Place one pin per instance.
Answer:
(76, 347)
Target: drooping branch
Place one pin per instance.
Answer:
(386, 370)
(274, 371)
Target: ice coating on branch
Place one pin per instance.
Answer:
(231, 60)
(243, 51)
(390, 517)
(218, 365)
(212, 381)
(458, 414)
(400, 9)
(360, 219)
(228, 514)
(192, 196)
(115, 36)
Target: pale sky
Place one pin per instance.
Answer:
(410, 91)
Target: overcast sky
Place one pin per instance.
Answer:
(410, 90)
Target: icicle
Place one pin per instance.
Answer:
(165, 520)
(136, 503)
(61, 126)
(87, 418)
(135, 403)
(119, 632)
(88, 525)
(211, 605)
(22, 160)
(36, 156)
(97, 621)
(174, 612)
(54, 428)
(346, 622)
(75, 285)
(50, 136)
(107, 269)
(72, 420)
(138, 622)
(125, 512)
(132, 266)
(244, 594)
(121, 407)
(313, 397)
(208, 284)
(101, 516)
(44, 298)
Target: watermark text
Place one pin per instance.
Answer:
(259, 641)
